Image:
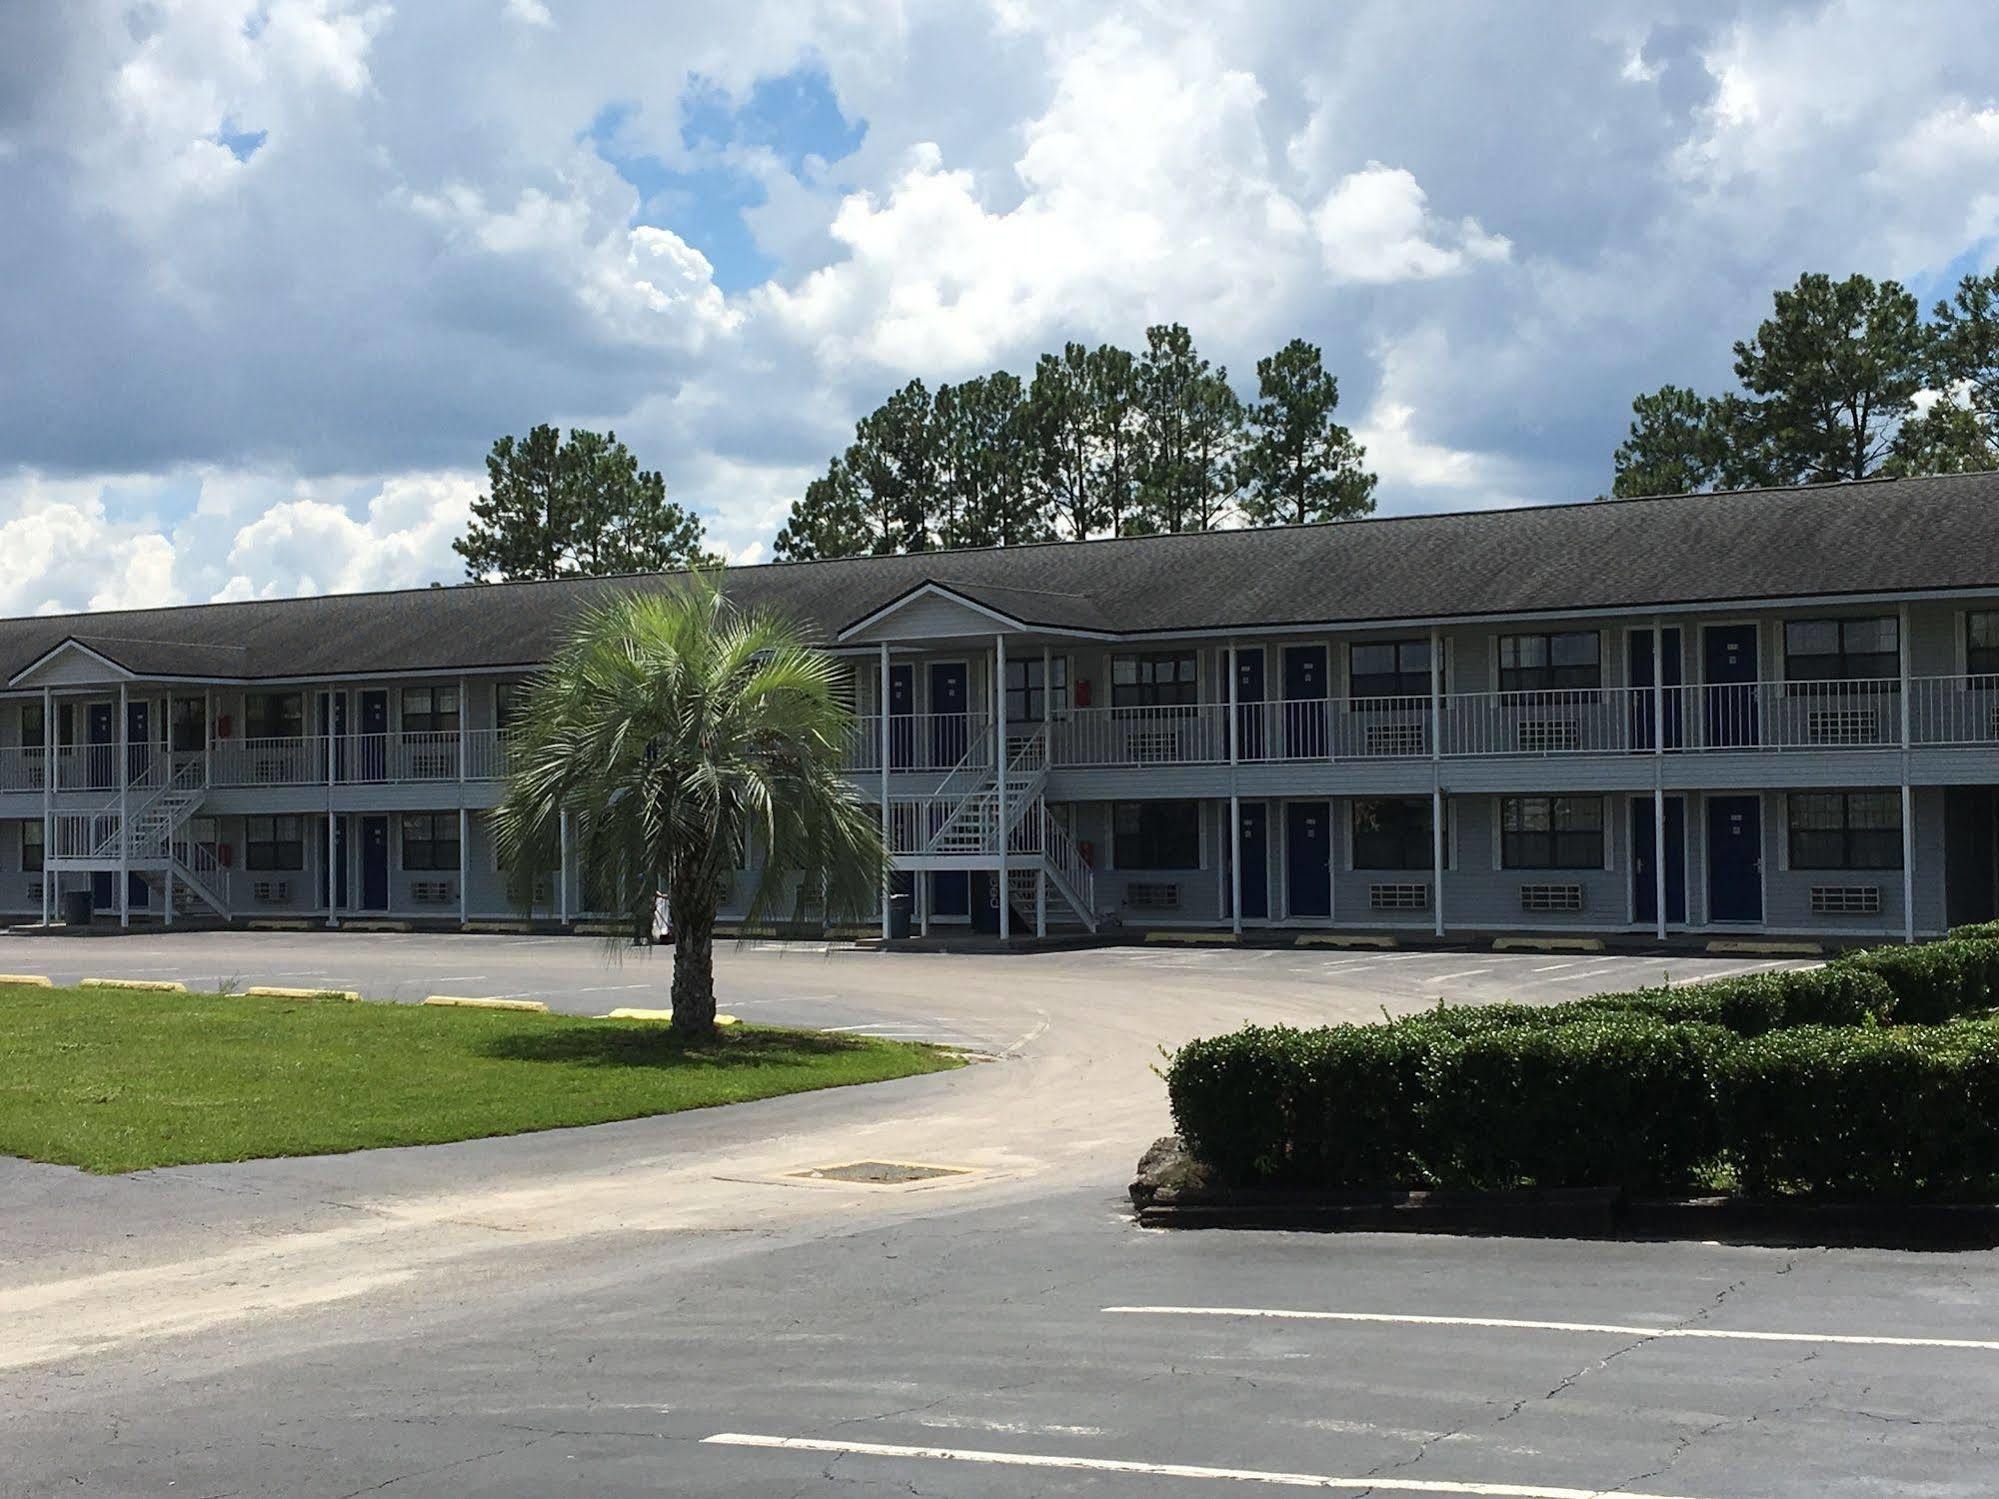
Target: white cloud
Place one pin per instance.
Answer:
(529, 12)
(1376, 226)
(311, 546)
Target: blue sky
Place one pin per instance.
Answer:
(275, 273)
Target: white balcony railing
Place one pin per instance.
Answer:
(921, 742)
(1187, 734)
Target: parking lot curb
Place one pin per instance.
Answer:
(26, 980)
(469, 1002)
(1344, 939)
(156, 986)
(498, 928)
(369, 925)
(1745, 948)
(1547, 944)
(660, 1016)
(279, 991)
(277, 924)
(1194, 938)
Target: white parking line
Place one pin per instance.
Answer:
(1165, 1470)
(1444, 978)
(1514, 1324)
(1557, 967)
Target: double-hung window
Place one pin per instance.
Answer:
(1161, 679)
(1845, 829)
(430, 710)
(1551, 832)
(190, 725)
(273, 843)
(1565, 660)
(1388, 669)
(274, 715)
(1981, 646)
(31, 848)
(1843, 650)
(1392, 833)
(1028, 696)
(1156, 835)
(430, 840)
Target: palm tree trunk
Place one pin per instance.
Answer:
(693, 963)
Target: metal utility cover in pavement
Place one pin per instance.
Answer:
(880, 1173)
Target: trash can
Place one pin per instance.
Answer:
(898, 917)
(76, 907)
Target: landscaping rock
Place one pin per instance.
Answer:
(1166, 1167)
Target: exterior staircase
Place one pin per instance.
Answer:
(148, 837)
(962, 820)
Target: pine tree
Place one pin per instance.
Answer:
(1300, 465)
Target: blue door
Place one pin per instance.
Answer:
(373, 750)
(1305, 703)
(950, 893)
(1644, 873)
(901, 717)
(101, 729)
(1640, 655)
(948, 728)
(1734, 858)
(1308, 862)
(1728, 668)
(1249, 693)
(374, 863)
(138, 740)
(1255, 836)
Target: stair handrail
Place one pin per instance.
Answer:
(1069, 866)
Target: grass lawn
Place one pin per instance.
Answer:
(119, 1081)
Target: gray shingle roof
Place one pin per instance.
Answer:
(1878, 536)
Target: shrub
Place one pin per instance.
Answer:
(1749, 1005)
(1602, 1100)
(1273, 1106)
(1933, 982)
(1912, 1111)
(1983, 929)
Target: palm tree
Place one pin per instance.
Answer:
(678, 731)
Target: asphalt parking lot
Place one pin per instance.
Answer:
(669, 1306)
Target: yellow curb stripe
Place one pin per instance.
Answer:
(465, 1002)
(1547, 944)
(1344, 939)
(1767, 949)
(277, 924)
(511, 928)
(367, 925)
(1192, 937)
(627, 1013)
(156, 986)
(26, 980)
(278, 991)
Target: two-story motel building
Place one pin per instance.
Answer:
(1766, 712)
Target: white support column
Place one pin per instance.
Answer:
(1437, 809)
(124, 742)
(1908, 795)
(1659, 776)
(465, 864)
(1235, 799)
(887, 842)
(999, 736)
(50, 879)
(332, 881)
(562, 869)
(1041, 902)
(463, 704)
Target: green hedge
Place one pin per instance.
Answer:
(1749, 1005)
(1933, 982)
(1795, 1080)
(1912, 1111)
(1606, 1100)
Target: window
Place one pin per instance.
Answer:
(1392, 833)
(273, 715)
(1845, 830)
(1156, 835)
(190, 725)
(1027, 694)
(1389, 668)
(1537, 663)
(1166, 679)
(1842, 650)
(1551, 832)
(1981, 643)
(31, 848)
(430, 710)
(430, 840)
(34, 726)
(273, 843)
